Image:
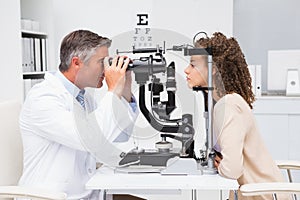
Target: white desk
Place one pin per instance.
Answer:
(141, 183)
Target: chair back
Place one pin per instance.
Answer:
(11, 148)
(274, 188)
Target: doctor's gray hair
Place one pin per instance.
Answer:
(82, 44)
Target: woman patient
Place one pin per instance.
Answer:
(243, 155)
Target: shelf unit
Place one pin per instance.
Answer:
(36, 19)
(36, 43)
(35, 34)
(33, 75)
(34, 58)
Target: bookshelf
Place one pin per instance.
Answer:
(33, 75)
(34, 54)
(37, 30)
(34, 58)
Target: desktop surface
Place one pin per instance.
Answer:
(108, 179)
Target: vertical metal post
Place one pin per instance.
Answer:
(289, 175)
(236, 196)
(291, 180)
(274, 196)
(194, 194)
(210, 104)
(211, 154)
(104, 194)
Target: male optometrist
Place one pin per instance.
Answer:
(55, 156)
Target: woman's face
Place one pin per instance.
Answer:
(197, 71)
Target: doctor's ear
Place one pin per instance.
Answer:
(75, 61)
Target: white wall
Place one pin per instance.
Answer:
(10, 52)
(266, 25)
(113, 17)
(116, 18)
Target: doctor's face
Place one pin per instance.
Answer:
(91, 74)
(197, 71)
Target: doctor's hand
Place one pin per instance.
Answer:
(115, 74)
(127, 94)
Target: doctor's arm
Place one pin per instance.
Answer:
(116, 117)
(117, 113)
(127, 94)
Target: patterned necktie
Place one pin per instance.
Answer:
(80, 98)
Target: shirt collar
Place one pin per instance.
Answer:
(70, 87)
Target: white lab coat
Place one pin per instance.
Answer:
(54, 154)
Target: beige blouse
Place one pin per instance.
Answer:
(245, 156)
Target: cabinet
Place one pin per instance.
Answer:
(278, 118)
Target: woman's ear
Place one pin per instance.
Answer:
(214, 70)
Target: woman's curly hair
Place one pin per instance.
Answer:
(230, 62)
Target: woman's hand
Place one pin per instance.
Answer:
(218, 159)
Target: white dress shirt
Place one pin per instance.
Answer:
(55, 156)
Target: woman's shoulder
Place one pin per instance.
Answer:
(232, 99)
